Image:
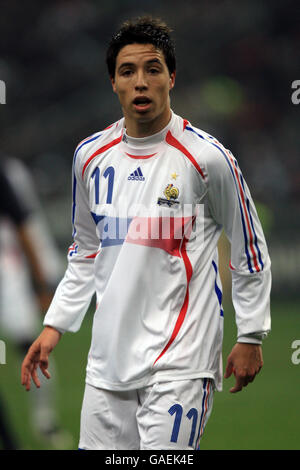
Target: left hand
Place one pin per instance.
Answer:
(245, 362)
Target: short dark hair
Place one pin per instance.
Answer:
(142, 30)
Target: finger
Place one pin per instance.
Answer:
(239, 384)
(23, 375)
(26, 369)
(27, 379)
(34, 376)
(44, 362)
(229, 370)
(28, 383)
(44, 369)
(43, 359)
(45, 372)
(26, 374)
(28, 365)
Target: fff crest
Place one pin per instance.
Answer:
(171, 194)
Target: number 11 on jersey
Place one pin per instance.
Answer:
(108, 174)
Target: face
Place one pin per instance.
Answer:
(143, 83)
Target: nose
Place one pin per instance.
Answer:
(141, 82)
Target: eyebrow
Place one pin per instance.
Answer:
(149, 62)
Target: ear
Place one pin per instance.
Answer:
(172, 80)
(113, 84)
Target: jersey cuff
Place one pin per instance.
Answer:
(249, 339)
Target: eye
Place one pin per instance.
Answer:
(126, 73)
(153, 70)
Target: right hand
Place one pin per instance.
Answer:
(38, 355)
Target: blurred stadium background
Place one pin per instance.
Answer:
(236, 65)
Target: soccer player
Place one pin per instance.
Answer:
(10, 207)
(25, 270)
(151, 196)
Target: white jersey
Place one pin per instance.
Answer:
(147, 215)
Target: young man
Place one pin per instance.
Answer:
(156, 353)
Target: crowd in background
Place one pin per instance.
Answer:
(236, 62)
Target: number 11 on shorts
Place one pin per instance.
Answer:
(191, 415)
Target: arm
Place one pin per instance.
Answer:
(233, 208)
(43, 293)
(74, 292)
(15, 205)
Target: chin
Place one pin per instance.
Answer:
(145, 117)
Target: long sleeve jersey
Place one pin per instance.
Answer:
(147, 215)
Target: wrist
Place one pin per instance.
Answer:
(53, 329)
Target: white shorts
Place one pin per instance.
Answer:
(167, 415)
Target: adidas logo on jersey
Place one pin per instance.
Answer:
(137, 175)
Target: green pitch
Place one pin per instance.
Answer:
(265, 415)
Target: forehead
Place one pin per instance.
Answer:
(134, 53)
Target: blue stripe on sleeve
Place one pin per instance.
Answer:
(75, 181)
(240, 206)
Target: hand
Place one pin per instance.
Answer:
(244, 361)
(37, 355)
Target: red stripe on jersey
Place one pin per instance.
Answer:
(92, 256)
(170, 139)
(245, 210)
(140, 156)
(182, 314)
(99, 151)
(185, 123)
(113, 124)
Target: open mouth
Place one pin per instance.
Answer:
(142, 102)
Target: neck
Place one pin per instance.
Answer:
(145, 128)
